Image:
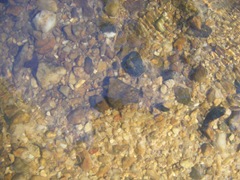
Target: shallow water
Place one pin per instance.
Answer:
(119, 90)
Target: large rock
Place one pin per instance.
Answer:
(44, 21)
(119, 93)
(133, 65)
(49, 74)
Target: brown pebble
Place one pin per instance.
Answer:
(196, 22)
(206, 149)
(86, 164)
(127, 162)
(179, 43)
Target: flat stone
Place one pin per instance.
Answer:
(120, 94)
(77, 116)
(44, 46)
(48, 74)
(197, 172)
(199, 74)
(132, 64)
(88, 65)
(182, 95)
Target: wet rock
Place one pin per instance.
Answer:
(50, 5)
(88, 65)
(20, 117)
(72, 32)
(44, 46)
(49, 74)
(108, 30)
(204, 32)
(197, 172)
(161, 107)
(74, 13)
(214, 113)
(132, 64)
(99, 103)
(77, 116)
(179, 43)
(86, 162)
(234, 121)
(45, 21)
(207, 149)
(119, 93)
(24, 55)
(196, 22)
(182, 95)
(64, 90)
(112, 7)
(199, 74)
(221, 141)
(211, 95)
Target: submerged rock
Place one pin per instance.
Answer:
(132, 64)
(199, 74)
(45, 21)
(234, 121)
(214, 113)
(88, 65)
(48, 74)
(182, 95)
(119, 93)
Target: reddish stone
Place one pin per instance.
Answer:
(44, 46)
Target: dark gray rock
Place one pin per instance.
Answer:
(119, 93)
(214, 113)
(133, 65)
(161, 107)
(199, 74)
(182, 95)
(88, 65)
